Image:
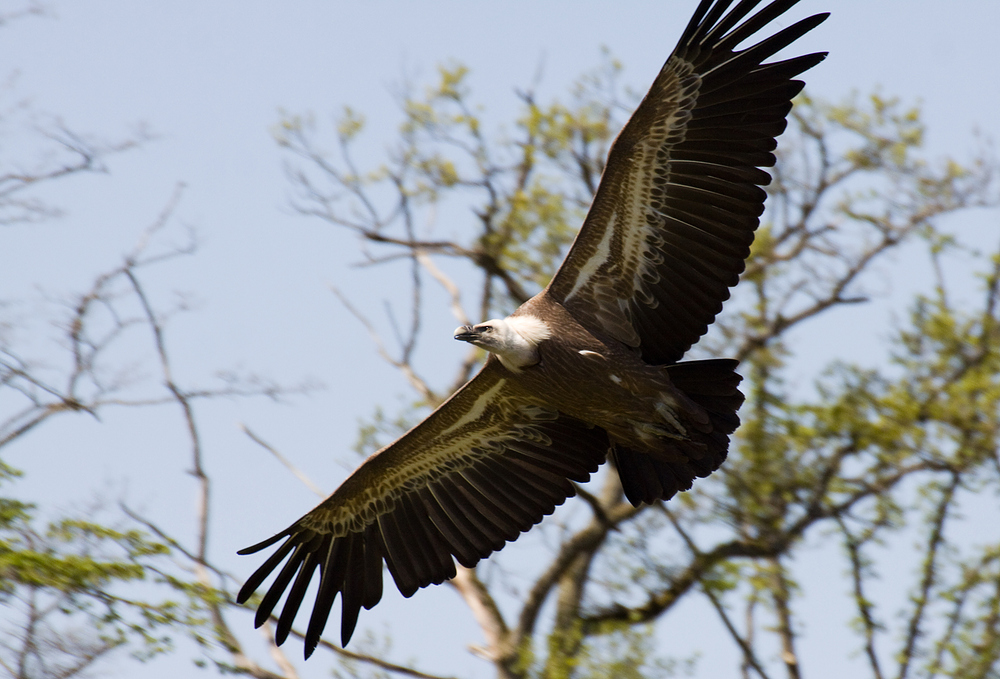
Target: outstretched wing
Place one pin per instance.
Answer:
(485, 466)
(675, 213)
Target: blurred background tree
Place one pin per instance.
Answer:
(863, 455)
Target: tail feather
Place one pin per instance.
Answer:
(714, 385)
(648, 477)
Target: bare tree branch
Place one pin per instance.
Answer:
(306, 481)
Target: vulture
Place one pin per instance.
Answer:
(588, 369)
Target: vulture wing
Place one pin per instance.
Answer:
(676, 209)
(484, 467)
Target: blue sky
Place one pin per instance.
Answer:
(209, 80)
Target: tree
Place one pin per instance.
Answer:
(75, 589)
(56, 577)
(872, 455)
(875, 451)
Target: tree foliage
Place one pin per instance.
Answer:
(874, 452)
(872, 464)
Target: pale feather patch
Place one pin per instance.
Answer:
(623, 266)
(530, 327)
(478, 408)
(641, 244)
(668, 414)
(481, 430)
(539, 413)
(596, 260)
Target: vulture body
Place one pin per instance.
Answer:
(588, 369)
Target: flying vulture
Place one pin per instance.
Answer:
(587, 370)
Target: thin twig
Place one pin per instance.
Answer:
(419, 384)
(299, 474)
(749, 656)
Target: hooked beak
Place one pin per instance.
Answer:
(466, 333)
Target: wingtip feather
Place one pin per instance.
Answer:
(263, 544)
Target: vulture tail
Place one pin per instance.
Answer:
(648, 477)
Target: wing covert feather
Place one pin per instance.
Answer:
(484, 467)
(672, 222)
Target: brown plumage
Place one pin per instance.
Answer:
(587, 369)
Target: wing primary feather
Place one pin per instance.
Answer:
(734, 17)
(424, 537)
(748, 28)
(721, 269)
(747, 71)
(696, 21)
(754, 89)
(732, 222)
(795, 65)
(559, 473)
(735, 159)
(459, 506)
(259, 575)
(552, 464)
(503, 523)
(373, 566)
(744, 97)
(263, 543)
(726, 249)
(458, 543)
(409, 542)
(277, 588)
(757, 117)
(698, 36)
(483, 537)
(492, 491)
(732, 146)
(754, 136)
(354, 588)
(700, 282)
(295, 594)
(759, 111)
(331, 580)
(552, 485)
(783, 38)
(396, 558)
(750, 175)
(734, 204)
(518, 486)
